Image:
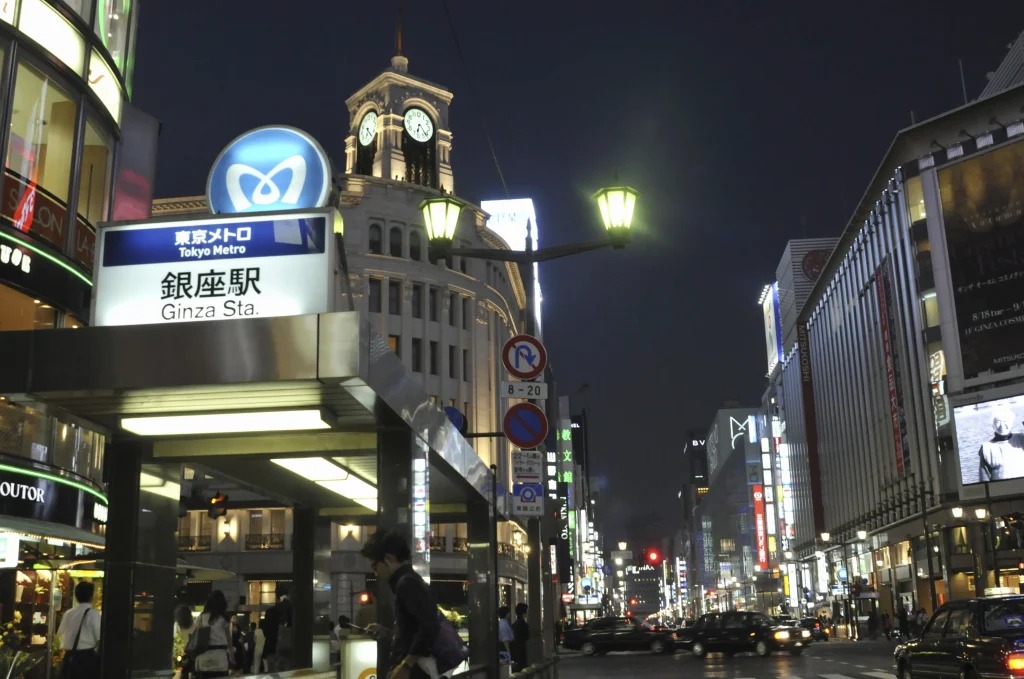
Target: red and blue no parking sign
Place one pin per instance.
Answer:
(525, 425)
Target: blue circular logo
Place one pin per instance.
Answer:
(267, 169)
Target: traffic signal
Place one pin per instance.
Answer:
(364, 597)
(1020, 568)
(217, 507)
(653, 556)
(632, 602)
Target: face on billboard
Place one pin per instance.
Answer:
(990, 440)
(981, 199)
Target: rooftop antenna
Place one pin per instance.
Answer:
(398, 33)
(963, 83)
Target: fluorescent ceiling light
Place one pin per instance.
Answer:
(312, 468)
(225, 423)
(157, 486)
(332, 477)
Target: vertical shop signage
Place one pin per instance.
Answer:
(760, 531)
(892, 367)
(811, 424)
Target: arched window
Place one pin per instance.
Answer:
(415, 246)
(376, 239)
(395, 242)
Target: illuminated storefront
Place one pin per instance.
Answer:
(66, 75)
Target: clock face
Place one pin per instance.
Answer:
(418, 124)
(368, 128)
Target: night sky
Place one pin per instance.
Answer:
(743, 124)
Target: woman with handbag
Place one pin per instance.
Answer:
(209, 645)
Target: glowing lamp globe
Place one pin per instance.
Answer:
(440, 216)
(617, 205)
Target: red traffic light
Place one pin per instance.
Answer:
(1020, 566)
(364, 598)
(653, 556)
(632, 602)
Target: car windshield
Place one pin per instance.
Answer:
(1003, 616)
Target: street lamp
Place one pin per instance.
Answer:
(862, 535)
(622, 546)
(441, 216)
(981, 513)
(825, 536)
(958, 512)
(616, 205)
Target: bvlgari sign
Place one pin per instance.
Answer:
(221, 267)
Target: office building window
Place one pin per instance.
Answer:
(376, 239)
(395, 242)
(453, 301)
(417, 300)
(467, 315)
(435, 359)
(375, 284)
(395, 298)
(415, 245)
(417, 355)
(465, 364)
(433, 301)
(394, 341)
(452, 371)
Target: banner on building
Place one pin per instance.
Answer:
(893, 375)
(811, 424)
(981, 208)
(760, 527)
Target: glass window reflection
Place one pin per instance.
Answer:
(82, 8)
(21, 312)
(93, 190)
(112, 21)
(38, 162)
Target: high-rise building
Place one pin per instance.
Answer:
(1010, 72)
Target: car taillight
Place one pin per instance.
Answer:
(1015, 663)
(817, 625)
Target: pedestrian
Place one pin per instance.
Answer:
(521, 629)
(339, 634)
(183, 625)
(904, 622)
(422, 643)
(250, 646)
(922, 621)
(210, 642)
(259, 644)
(886, 625)
(506, 637)
(873, 624)
(559, 627)
(79, 634)
(278, 633)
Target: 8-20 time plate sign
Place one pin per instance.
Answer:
(216, 268)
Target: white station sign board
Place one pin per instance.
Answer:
(215, 268)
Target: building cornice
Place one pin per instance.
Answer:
(400, 80)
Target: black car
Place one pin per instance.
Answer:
(602, 635)
(818, 631)
(739, 631)
(968, 639)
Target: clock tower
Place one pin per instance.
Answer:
(398, 128)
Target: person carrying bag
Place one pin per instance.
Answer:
(80, 660)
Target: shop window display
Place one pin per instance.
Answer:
(21, 312)
(38, 174)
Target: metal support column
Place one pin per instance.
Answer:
(302, 585)
(482, 579)
(140, 562)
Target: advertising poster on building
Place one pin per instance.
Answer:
(982, 199)
(760, 532)
(772, 325)
(990, 440)
(893, 373)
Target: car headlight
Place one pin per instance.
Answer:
(782, 635)
(805, 633)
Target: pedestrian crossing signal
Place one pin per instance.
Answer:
(1020, 568)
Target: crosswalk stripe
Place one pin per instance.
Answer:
(880, 675)
(834, 676)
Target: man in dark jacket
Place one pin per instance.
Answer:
(521, 630)
(416, 619)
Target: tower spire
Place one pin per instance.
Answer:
(399, 62)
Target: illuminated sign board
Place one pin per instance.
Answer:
(10, 546)
(772, 324)
(509, 220)
(215, 268)
(760, 528)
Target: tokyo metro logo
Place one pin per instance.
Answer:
(269, 168)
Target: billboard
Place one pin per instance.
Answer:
(509, 219)
(760, 527)
(981, 199)
(772, 324)
(990, 440)
(214, 268)
(893, 375)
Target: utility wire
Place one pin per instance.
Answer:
(472, 89)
